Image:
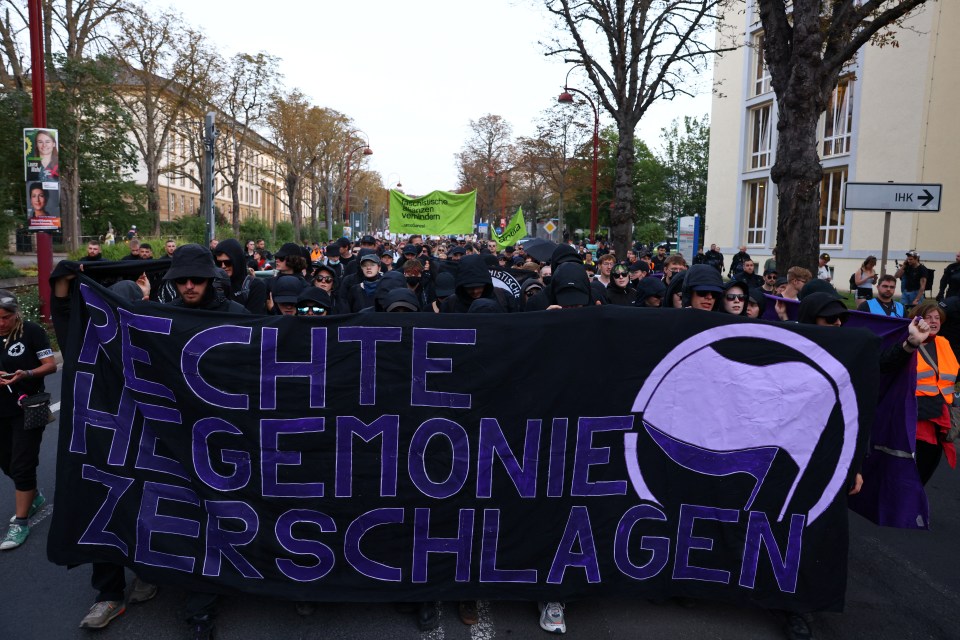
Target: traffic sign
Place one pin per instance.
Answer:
(550, 227)
(891, 196)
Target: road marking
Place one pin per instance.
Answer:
(483, 630)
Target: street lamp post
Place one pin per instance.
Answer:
(390, 186)
(367, 151)
(566, 98)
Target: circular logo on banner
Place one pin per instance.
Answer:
(16, 349)
(503, 280)
(711, 435)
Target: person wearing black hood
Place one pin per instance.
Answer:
(389, 282)
(569, 287)
(445, 287)
(702, 288)
(333, 261)
(473, 282)
(651, 293)
(618, 291)
(734, 301)
(246, 289)
(672, 296)
(360, 295)
(530, 288)
(192, 273)
(756, 303)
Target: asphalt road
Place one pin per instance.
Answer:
(902, 585)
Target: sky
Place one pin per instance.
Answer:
(412, 74)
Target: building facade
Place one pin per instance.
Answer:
(889, 119)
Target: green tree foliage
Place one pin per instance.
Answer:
(686, 150)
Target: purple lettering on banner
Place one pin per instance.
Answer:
(354, 536)
(658, 547)
(273, 457)
(315, 368)
(149, 459)
(492, 441)
(686, 542)
(388, 428)
(120, 425)
(96, 532)
(460, 458)
(556, 469)
(578, 532)
(786, 566)
(130, 354)
(239, 460)
(96, 335)
(368, 337)
(423, 365)
(488, 554)
(587, 456)
(223, 543)
(424, 545)
(150, 521)
(324, 556)
(194, 351)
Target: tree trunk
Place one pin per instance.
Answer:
(621, 216)
(292, 183)
(797, 174)
(235, 214)
(70, 203)
(153, 198)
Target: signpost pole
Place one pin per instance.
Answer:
(886, 243)
(37, 62)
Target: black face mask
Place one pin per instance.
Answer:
(413, 281)
(547, 279)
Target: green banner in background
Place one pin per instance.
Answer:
(438, 213)
(515, 230)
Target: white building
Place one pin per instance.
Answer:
(890, 119)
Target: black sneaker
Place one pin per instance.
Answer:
(797, 627)
(428, 618)
(202, 628)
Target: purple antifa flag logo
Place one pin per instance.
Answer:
(746, 438)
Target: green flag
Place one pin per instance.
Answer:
(515, 230)
(438, 213)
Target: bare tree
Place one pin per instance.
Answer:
(805, 50)
(249, 82)
(484, 160)
(295, 137)
(166, 68)
(647, 52)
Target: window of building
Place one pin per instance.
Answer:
(761, 75)
(760, 136)
(756, 212)
(838, 119)
(831, 206)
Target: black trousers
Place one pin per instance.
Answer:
(928, 459)
(19, 452)
(109, 581)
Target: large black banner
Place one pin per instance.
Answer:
(540, 456)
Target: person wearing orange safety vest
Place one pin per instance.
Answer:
(937, 369)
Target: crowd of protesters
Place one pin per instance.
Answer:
(456, 275)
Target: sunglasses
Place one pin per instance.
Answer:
(195, 280)
(324, 278)
(532, 291)
(736, 296)
(842, 317)
(317, 311)
(621, 274)
(705, 294)
(771, 276)
(224, 263)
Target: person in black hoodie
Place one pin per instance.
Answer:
(702, 288)
(734, 298)
(651, 293)
(672, 296)
(360, 296)
(192, 273)
(569, 287)
(246, 289)
(618, 291)
(473, 282)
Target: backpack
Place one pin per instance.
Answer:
(853, 281)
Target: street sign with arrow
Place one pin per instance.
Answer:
(891, 196)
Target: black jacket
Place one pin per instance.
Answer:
(247, 290)
(472, 272)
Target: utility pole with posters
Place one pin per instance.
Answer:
(209, 139)
(44, 241)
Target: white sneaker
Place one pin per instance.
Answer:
(551, 617)
(101, 613)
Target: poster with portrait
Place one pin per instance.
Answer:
(43, 206)
(41, 166)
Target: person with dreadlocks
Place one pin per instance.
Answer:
(25, 358)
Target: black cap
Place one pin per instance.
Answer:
(315, 296)
(332, 250)
(456, 251)
(368, 240)
(343, 242)
(411, 249)
(289, 249)
(445, 284)
(191, 261)
(368, 255)
(287, 289)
